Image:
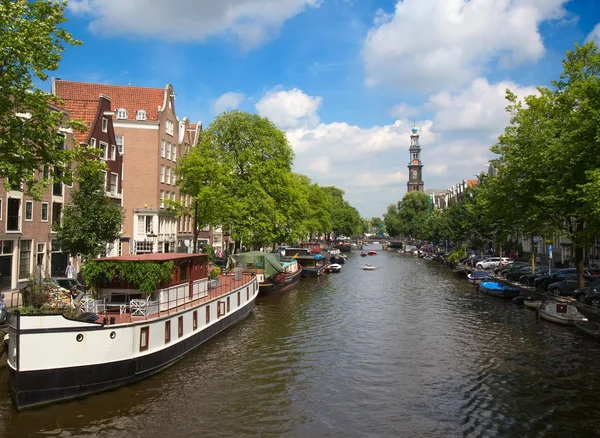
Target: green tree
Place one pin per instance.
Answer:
(31, 44)
(551, 150)
(345, 219)
(393, 222)
(413, 211)
(93, 220)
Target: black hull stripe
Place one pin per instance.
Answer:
(36, 388)
(281, 287)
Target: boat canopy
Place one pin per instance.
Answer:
(265, 260)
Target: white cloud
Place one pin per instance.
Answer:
(252, 22)
(403, 110)
(228, 101)
(478, 108)
(434, 44)
(290, 109)
(594, 35)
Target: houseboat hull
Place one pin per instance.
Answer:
(312, 272)
(41, 385)
(269, 287)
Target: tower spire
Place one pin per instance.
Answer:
(415, 166)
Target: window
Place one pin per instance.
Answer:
(113, 152)
(104, 124)
(144, 337)
(56, 212)
(208, 313)
(148, 224)
(143, 247)
(141, 228)
(93, 142)
(25, 259)
(104, 173)
(41, 249)
(174, 147)
(28, 210)
(103, 150)
(114, 181)
(195, 319)
(13, 214)
(180, 326)
(162, 173)
(169, 127)
(140, 115)
(44, 211)
(173, 181)
(168, 180)
(46, 172)
(168, 151)
(167, 332)
(120, 140)
(121, 113)
(162, 199)
(6, 246)
(162, 148)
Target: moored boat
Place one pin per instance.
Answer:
(363, 254)
(560, 313)
(498, 289)
(52, 357)
(312, 264)
(590, 328)
(333, 268)
(274, 275)
(369, 267)
(372, 252)
(532, 304)
(477, 277)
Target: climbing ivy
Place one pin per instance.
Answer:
(146, 276)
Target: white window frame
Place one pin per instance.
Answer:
(116, 176)
(120, 140)
(141, 115)
(168, 176)
(162, 173)
(30, 217)
(42, 212)
(162, 148)
(168, 151)
(174, 152)
(103, 151)
(93, 142)
(113, 152)
(122, 114)
(104, 124)
(173, 180)
(105, 176)
(162, 199)
(169, 127)
(141, 225)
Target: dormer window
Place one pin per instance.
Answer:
(121, 113)
(104, 124)
(140, 115)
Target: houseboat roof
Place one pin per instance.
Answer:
(153, 257)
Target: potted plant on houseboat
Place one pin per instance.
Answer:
(213, 275)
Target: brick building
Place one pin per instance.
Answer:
(150, 138)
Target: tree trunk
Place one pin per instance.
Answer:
(196, 230)
(579, 255)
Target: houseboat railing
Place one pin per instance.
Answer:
(144, 309)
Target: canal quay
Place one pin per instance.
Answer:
(407, 350)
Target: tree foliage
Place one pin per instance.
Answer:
(92, 221)
(31, 44)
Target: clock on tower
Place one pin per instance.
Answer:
(415, 165)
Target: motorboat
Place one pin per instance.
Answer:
(363, 254)
(369, 267)
(372, 252)
(477, 277)
(333, 268)
(561, 313)
(498, 289)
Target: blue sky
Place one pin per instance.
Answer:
(344, 78)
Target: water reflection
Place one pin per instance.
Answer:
(406, 350)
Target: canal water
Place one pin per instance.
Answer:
(407, 350)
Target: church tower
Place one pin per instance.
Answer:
(415, 166)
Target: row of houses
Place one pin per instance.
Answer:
(140, 139)
(555, 249)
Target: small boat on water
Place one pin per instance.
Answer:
(498, 289)
(532, 304)
(561, 313)
(590, 328)
(369, 267)
(477, 277)
(372, 252)
(312, 264)
(333, 268)
(363, 254)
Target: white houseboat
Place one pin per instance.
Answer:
(53, 358)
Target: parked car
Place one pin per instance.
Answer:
(528, 279)
(503, 270)
(543, 282)
(569, 285)
(515, 275)
(591, 297)
(493, 262)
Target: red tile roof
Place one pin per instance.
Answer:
(472, 182)
(84, 110)
(121, 96)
